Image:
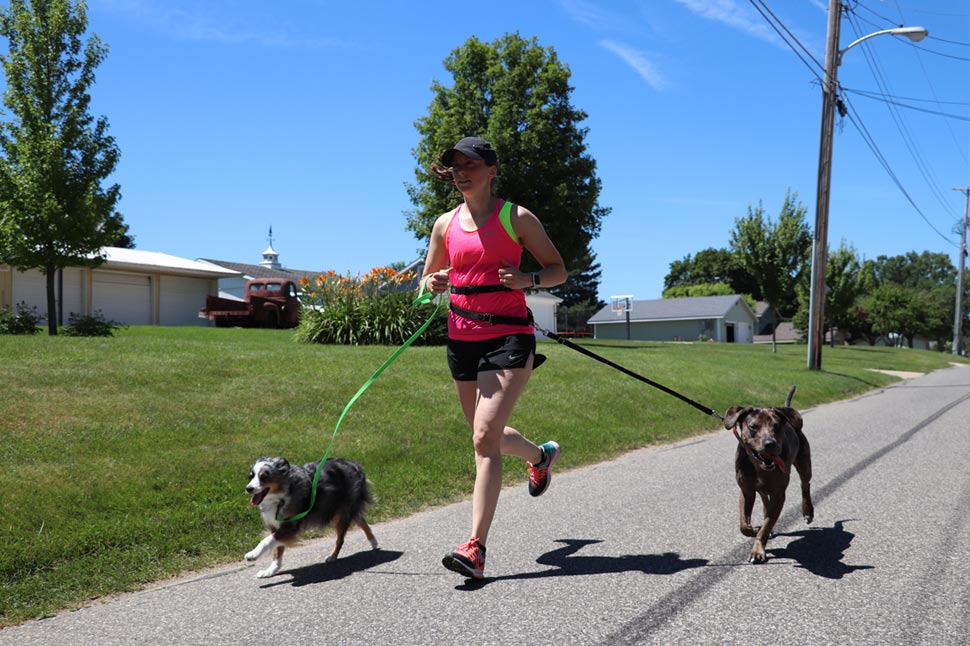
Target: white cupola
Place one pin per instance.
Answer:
(271, 259)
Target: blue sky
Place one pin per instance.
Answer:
(235, 115)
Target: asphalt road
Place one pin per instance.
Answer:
(644, 549)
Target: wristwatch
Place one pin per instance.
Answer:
(535, 280)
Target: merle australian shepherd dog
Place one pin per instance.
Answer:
(282, 490)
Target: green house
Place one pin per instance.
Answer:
(725, 319)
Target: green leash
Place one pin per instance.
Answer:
(423, 298)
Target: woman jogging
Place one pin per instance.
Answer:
(475, 250)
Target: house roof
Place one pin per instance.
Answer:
(261, 271)
(761, 307)
(784, 333)
(541, 295)
(139, 260)
(674, 309)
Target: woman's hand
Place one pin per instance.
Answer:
(513, 278)
(437, 282)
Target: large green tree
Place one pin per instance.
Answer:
(895, 310)
(54, 156)
(516, 94)
(711, 267)
(928, 280)
(774, 253)
(847, 283)
(918, 270)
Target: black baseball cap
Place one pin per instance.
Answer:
(473, 148)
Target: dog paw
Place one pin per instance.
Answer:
(749, 531)
(757, 557)
(373, 544)
(252, 556)
(330, 559)
(268, 572)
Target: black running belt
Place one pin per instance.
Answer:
(478, 289)
(494, 319)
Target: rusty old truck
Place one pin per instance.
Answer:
(269, 303)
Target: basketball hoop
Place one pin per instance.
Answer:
(621, 304)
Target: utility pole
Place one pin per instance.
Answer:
(958, 313)
(833, 58)
(816, 306)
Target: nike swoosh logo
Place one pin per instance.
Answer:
(514, 357)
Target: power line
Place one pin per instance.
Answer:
(755, 4)
(888, 99)
(937, 13)
(908, 139)
(854, 118)
(929, 83)
(950, 42)
(904, 98)
(894, 23)
(936, 53)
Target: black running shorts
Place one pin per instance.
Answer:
(467, 358)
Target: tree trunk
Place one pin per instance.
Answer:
(50, 272)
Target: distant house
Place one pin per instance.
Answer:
(784, 333)
(132, 287)
(768, 318)
(235, 286)
(727, 319)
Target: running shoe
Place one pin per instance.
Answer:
(467, 559)
(539, 474)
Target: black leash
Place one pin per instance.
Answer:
(578, 348)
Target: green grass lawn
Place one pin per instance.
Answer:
(125, 458)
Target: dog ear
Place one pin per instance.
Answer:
(281, 465)
(792, 416)
(735, 414)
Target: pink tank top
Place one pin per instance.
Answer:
(475, 258)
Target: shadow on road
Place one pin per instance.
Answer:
(820, 550)
(339, 569)
(565, 562)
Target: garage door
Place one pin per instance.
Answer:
(124, 298)
(180, 300)
(30, 287)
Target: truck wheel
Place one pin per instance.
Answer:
(272, 319)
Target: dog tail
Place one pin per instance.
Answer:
(788, 399)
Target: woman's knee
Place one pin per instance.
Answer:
(487, 440)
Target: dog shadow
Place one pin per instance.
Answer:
(821, 551)
(341, 568)
(565, 562)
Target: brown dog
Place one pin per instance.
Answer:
(770, 441)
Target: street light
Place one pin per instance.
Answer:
(833, 58)
(915, 34)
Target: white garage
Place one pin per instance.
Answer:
(174, 291)
(543, 306)
(131, 287)
(123, 297)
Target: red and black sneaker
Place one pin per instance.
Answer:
(539, 474)
(467, 559)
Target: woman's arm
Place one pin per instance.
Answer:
(534, 238)
(434, 278)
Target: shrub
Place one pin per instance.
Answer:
(23, 322)
(94, 325)
(374, 309)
